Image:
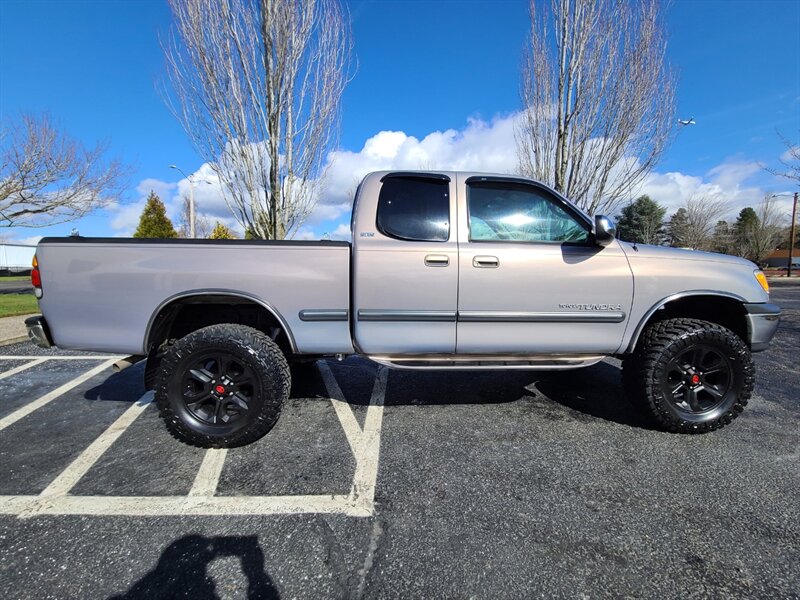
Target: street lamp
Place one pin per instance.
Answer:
(191, 198)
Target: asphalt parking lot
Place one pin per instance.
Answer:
(398, 484)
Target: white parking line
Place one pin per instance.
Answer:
(100, 357)
(62, 484)
(365, 443)
(205, 483)
(352, 430)
(21, 368)
(365, 479)
(36, 404)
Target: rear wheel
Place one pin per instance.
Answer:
(222, 386)
(691, 376)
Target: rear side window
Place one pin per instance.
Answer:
(415, 208)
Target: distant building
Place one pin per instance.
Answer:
(16, 258)
(780, 258)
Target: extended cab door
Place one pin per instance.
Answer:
(532, 280)
(405, 264)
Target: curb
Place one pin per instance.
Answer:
(14, 340)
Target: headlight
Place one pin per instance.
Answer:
(762, 279)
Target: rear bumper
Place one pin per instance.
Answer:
(38, 331)
(762, 322)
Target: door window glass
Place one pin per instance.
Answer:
(512, 212)
(415, 208)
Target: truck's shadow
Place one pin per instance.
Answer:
(592, 392)
(125, 386)
(182, 569)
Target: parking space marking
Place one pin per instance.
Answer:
(365, 443)
(62, 484)
(95, 357)
(205, 484)
(49, 397)
(365, 479)
(352, 430)
(21, 368)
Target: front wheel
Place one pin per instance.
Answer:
(222, 386)
(691, 376)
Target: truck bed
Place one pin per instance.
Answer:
(102, 293)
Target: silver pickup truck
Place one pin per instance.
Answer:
(445, 271)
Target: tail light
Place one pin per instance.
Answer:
(36, 278)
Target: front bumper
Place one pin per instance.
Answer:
(38, 331)
(762, 322)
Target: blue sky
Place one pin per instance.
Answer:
(424, 67)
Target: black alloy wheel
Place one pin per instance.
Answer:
(698, 379)
(217, 388)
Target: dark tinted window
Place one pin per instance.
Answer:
(414, 208)
(510, 212)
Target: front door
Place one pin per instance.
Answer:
(532, 280)
(405, 266)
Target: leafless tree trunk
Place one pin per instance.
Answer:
(257, 86)
(702, 213)
(46, 177)
(598, 98)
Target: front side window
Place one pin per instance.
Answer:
(415, 208)
(514, 212)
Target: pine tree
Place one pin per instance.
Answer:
(154, 222)
(677, 227)
(722, 240)
(745, 231)
(642, 221)
(221, 232)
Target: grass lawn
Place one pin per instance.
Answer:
(15, 278)
(17, 304)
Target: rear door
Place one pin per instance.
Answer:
(405, 265)
(531, 279)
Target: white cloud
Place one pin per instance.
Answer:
(487, 146)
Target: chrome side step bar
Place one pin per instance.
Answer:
(449, 361)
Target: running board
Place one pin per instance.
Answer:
(450, 361)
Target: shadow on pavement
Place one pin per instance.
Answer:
(584, 394)
(182, 570)
(125, 386)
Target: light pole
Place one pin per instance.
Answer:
(791, 236)
(191, 200)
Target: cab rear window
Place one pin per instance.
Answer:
(415, 209)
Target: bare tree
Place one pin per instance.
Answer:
(702, 213)
(790, 161)
(46, 177)
(257, 86)
(202, 226)
(761, 237)
(598, 98)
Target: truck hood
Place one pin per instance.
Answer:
(666, 253)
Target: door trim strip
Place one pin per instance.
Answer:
(442, 316)
(490, 316)
(323, 314)
(504, 316)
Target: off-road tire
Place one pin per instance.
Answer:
(263, 371)
(646, 374)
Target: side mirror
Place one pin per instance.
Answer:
(605, 230)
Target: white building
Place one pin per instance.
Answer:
(15, 258)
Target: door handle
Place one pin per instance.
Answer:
(437, 260)
(485, 262)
